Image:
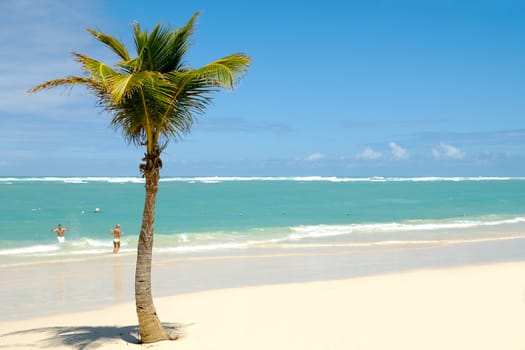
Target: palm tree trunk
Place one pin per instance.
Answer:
(151, 329)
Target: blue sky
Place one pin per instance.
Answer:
(345, 88)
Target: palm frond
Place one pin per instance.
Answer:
(68, 81)
(94, 69)
(125, 85)
(115, 45)
(159, 49)
(181, 44)
(140, 38)
(225, 71)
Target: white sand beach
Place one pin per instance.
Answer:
(464, 308)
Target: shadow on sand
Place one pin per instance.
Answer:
(80, 337)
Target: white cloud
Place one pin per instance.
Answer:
(315, 156)
(444, 151)
(398, 152)
(369, 154)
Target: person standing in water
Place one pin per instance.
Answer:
(60, 233)
(116, 238)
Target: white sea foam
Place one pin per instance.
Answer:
(72, 247)
(183, 237)
(35, 249)
(217, 179)
(88, 242)
(318, 231)
(73, 180)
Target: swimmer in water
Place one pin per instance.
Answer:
(60, 233)
(116, 238)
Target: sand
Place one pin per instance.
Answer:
(464, 308)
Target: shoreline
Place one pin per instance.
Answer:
(460, 307)
(58, 287)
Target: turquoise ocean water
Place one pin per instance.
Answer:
(197, 215)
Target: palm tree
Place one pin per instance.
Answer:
(153, 98)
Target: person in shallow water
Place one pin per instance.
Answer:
(60, 233)
(116, 238)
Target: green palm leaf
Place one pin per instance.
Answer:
(114, 44)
